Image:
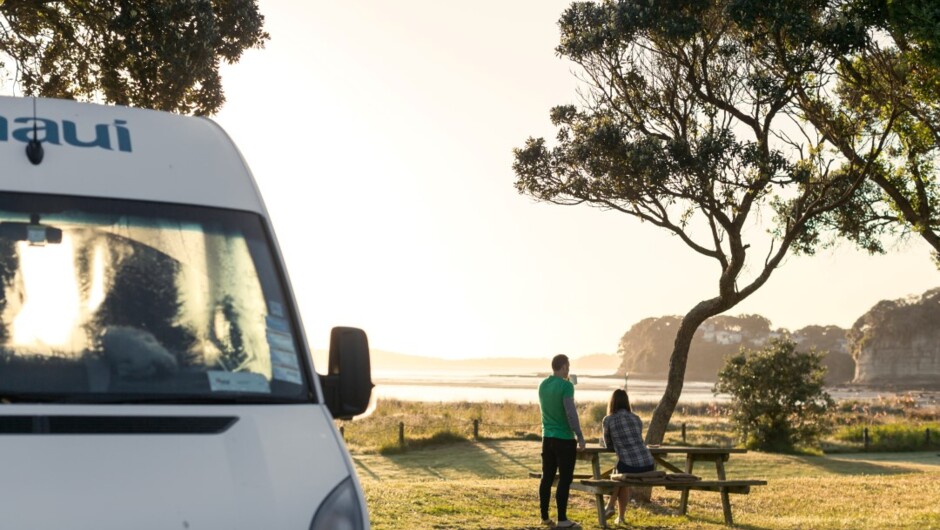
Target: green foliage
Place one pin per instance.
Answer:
(892, 437)
(668, 82)
(917, 24)
(874, 92)
(162, 55)
(777, 395)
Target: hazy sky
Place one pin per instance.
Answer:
(381, 136)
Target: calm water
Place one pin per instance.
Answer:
(481, 387)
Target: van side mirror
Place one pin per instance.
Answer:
(347, 387)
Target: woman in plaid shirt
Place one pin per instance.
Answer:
(623, 431)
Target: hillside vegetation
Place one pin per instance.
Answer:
(647, 345)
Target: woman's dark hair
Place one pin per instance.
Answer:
(618, 401)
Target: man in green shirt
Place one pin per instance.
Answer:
(560, 427)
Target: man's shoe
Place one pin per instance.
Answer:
(567, 523)
(548, 522)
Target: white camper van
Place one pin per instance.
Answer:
(153, 370)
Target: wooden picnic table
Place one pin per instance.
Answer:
(598, 483)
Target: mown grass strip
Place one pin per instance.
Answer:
(483, 485)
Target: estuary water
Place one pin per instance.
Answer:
(481, 387)
(523, 388)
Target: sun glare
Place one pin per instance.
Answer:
(51, 305)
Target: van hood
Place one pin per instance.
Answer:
(268, 466)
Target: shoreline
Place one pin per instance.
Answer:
(520, 388)
(501, 381)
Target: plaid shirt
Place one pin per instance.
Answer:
(623, 430)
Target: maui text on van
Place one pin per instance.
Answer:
(153, 370)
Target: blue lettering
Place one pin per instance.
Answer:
(48, 128)
(102, 138)
(47, 131)
(124, 136)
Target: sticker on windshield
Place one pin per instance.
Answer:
(284, 363)
(281, 341)
(284, 366)
(277, 324)
(220, 381)
(276, 308)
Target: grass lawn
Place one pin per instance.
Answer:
(477, 485)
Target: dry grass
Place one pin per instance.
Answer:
(379, 432)
(483, 485)
(444, 479)
(894, 425)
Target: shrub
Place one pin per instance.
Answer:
(778, 401)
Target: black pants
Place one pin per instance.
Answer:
(557, 455)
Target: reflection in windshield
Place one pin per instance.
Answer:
(141, 298)
(50, 310)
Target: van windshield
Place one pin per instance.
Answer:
(123, 301)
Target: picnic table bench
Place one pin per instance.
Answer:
(600, 483)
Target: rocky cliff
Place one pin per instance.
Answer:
(900, 360)
(897, 342)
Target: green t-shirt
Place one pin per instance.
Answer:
(552, 392)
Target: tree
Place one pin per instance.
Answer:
(777, 395)
(877, 100)
(681, 125)
(893, 83)
(162, 55)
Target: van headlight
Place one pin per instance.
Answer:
(341, 509)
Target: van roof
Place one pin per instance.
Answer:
(122, 152)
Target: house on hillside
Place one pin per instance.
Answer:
(728, 337)
(721, 336)
(708, 330)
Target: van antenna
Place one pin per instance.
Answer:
(34, 149)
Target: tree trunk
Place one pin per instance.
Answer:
(677, 363)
